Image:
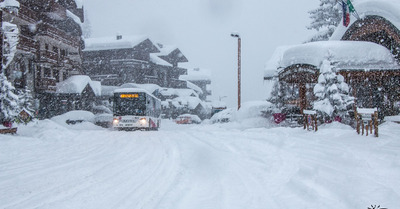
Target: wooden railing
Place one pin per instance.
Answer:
(49, 56)
(47, 84)
(59, 35)
(27, 14)
(27, 44)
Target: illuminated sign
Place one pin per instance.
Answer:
(129, 95)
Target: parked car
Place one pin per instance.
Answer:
(74, 117)
(103, 116)
(188, 119)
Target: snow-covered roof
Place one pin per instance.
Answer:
(154, 57)
(77, 83)
(178, 92)
(165, 49)
(194, 87)
(136, 90)
(345, 55)
(124, 90)
(9, 3)
(274, 62)
(388, 9)
(197, 74)
(218, 104)
(108, 90)
(79, 3)
(190, 102)
(76, 19)
(107, 43)
(148, 87)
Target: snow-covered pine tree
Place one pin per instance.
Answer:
(325, 19)
(332, 92)
(9, 102)
(278, 94)
(26, 100)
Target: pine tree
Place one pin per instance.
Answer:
(278, 94)
(9, 102)
(332, 92)
(26, 100)
(325, 19)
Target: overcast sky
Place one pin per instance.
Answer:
(201, 29)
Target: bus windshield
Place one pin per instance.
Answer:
(130, 104)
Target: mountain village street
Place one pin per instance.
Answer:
(198, 166)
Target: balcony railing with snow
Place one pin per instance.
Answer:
(59, 35)
(27, 44)
(47, 84)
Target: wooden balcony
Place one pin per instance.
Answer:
(59, 35)
(151, 79)
(46, 84)
(175, 83)
(49, 57)
(27, 44)
(27, 14)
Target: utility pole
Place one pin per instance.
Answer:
(236, 35)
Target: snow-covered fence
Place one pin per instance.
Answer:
(367, 118)
(310, 120)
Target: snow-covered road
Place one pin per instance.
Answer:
(198, 166)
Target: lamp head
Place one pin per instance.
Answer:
(235, 34)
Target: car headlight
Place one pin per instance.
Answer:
(115, 121)
(143, 121)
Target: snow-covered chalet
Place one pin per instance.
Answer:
(42, 44)
(133, 59)
(366, 53)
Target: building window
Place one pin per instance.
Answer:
(57, 75)
(55, 50)
(64, 75)
(63, 52)
(47, 72)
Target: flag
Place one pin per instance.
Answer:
(352, 10)
(346, 15)
(351, 7)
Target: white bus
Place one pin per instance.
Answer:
(136, 109)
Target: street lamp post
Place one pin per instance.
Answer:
(236, 35)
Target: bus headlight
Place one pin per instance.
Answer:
(115, 121)
(143, 121)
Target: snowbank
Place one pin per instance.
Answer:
(248, 116)
(393, 118)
